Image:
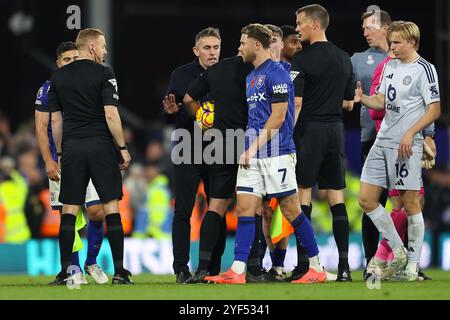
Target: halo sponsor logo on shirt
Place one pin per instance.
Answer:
(280, 88)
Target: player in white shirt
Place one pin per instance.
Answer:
(409, 92)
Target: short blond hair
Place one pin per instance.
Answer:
(408, 30)
(87, 35)
(276, 31)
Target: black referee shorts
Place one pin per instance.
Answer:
(320, 155)
(96, 158)
(222, 180)
(223, 175)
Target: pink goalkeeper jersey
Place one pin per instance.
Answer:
(377, 116)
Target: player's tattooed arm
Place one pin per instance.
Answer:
(42, 120)
(57, 129)
(51, 167)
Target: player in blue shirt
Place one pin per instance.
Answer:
(267, 167)
(277, 251)
(66, 53)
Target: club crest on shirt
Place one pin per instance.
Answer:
(370, 59)
(260, 81)
(407, 80)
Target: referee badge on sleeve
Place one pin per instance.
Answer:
(114, 83)
(293, 75)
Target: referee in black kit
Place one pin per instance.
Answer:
(225, 84)
(323, 79)
(85, 94)
(188, 175)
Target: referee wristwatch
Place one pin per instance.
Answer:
(124, 147)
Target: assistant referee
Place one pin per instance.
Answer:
(85, 94)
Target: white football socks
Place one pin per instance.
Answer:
(314, 263)
(385, 225)
(416, 231)
(238, 267)
(278, 270)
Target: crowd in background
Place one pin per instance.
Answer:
(146, 207)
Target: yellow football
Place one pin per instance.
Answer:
(205, 115)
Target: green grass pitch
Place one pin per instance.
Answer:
(157, 287)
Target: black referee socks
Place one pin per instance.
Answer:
(307, 211)
(371, 236)
(209, 235)
(115, 237)
(66, 239)
(341, 232)
(217, 253)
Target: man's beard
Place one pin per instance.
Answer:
(250, 57)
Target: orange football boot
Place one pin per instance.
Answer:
(229, 277)
(312, 276)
